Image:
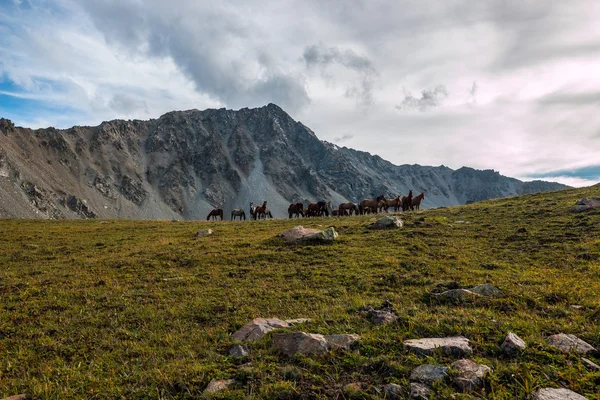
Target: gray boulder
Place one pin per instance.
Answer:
(392, 391)
(586, 204)
(217, 385)
(570, 344)
(457, 346)
(470, 375)
(556, 394)
(258, 327)
(486, 290)
(239, 350)
(299, 234)
(203, 233)
(429, 374)
(419, 391)
(386, 314)
(343, 341)
(512, 345)
(300, 342)
(388, 222)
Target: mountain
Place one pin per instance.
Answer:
(185, 163)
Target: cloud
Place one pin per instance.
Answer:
(429, 98)
(343, 138)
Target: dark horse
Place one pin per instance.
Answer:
(238, 212)
(407, 201)
(416, 201)
(348, 209)
(370, 205)
(217, 212)
(395, 203)
(261, 211)
(296, 209)
(318, 209)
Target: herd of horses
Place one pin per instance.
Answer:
(321, 208)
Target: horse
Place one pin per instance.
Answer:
(335, 213)
(396, 202)
(318, 209)
(416, 201)
(296, 209)
(348, 209)
(217, 212)
(261, 211)
(238, 212)
(407, 201)
(370, 204)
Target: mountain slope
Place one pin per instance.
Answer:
(186, 162)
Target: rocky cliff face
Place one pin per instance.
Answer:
(185, 163)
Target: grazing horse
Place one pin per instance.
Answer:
(395, 203)
(370, 205)
(407, 201)
(335, 213)
(416, 201)
(296, 209)
(261, 211)
(238, 212)
(318, 209)
(348, 209)
(217, 212)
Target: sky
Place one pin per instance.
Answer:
(509, 85)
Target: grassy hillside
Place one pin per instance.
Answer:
(124, 309)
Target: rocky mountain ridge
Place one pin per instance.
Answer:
(185, 163)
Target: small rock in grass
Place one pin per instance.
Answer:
(298, 321)
(217, 385)
(386, 314)
(343, 341)
(570, 344)
(470, 375)
(300, 234)
(388, 222)
(456, 295)
(586, 204)
(457, 346)
(429, 374)
(392, 391)
(556, 394)
(258, 327)
(590, 364)
(203, 232)
(300, 342)
(486, 290)
(239, 350)
(419, 391)
(512, 345)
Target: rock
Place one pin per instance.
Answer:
(512, 345)
(386, 314)
(556, 394)
(300, 342)
(298, 321)
(217, 385)
(429, 374)
(590, 364)
(300, 234)
(343, 341)
(586, 204)
(570, 344)
(258, 327)
(239, 350)
(470, 375)
(456, 295)
(203, 232)
(419, 391)
(392, 391)
(455, 345)
(486, 290)
(388, 222)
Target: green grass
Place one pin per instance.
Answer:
(129, 309)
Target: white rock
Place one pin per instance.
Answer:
(259, 327)
(454, 345)
(556, 394)
(470, 375)
(512, 345)
(217, 385)
(570, 344)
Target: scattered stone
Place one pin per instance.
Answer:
(386, 314)
(300, 234)
(203, 233)
(590, 364)
(470, 375)
(343, 341)
(429, 374)
(239, 350)
(388, 222)
(300, 342)
(392, 391)
(586, 204)
(298, 321)
(556, 394)
(259, 327)
(570, 344)
(217, 385)
(486, 290)
(512, 345)
(457, 346)
(456, 295)
(576, 307)
(419, 391)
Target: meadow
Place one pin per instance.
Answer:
(140, 310)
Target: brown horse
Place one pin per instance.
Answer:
(261, 211)
(296, 209)
(318, 209)
(370, 205)
(416, 201)
(217, 212)
(407, 201)
(395, 203)
(348, 209)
